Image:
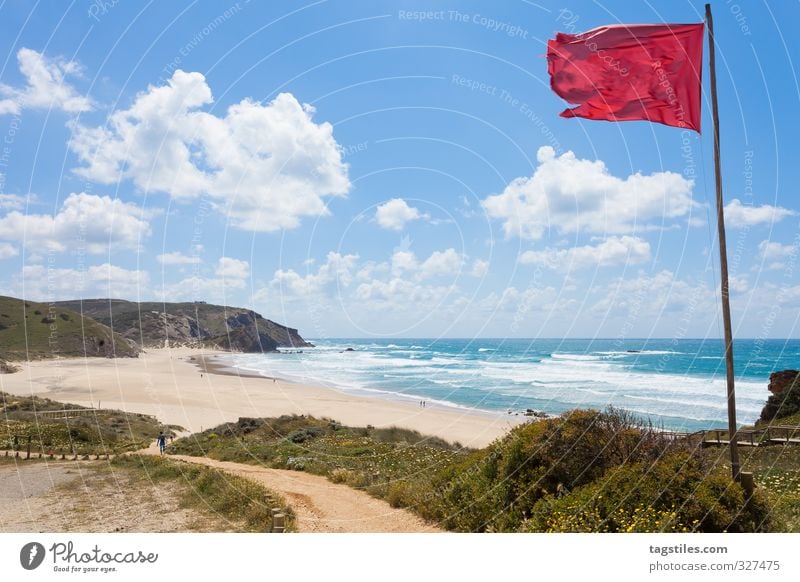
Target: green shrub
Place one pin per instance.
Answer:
(675, 494)
(396, 494)
(302, 435)
(496, 488)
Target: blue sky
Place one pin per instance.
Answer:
(390, 169)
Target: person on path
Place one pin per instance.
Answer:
(162, 442)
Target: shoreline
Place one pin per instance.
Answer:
(208, 364)
(186, 387)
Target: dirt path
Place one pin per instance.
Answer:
(322, 506)
(89, 496)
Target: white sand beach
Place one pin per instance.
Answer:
(171, 384)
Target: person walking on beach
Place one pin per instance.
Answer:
(162, 442)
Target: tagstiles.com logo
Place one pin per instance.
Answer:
(67, 559)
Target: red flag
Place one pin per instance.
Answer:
(630, 72)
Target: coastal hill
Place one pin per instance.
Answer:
(155, 324)
(30, 330)
(116, 328)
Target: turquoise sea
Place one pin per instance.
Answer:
(677, 384)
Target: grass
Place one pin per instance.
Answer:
(108, 432)
(776, 469)
(30, 330)
(238, 500)
(539, 477)
(382, 462)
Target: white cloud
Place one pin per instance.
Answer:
(230, 275)
(404, 262)
(739, 215)
(447, 262)
(568, 194)
(533, 299)
(41, 283)
(99, 223)
(439, 263)
(774, 253)
(479, 268)
(402, 282)
(7, 251)
(336, 269)
(400, 293)
(739, 284)
(612, 251)
(394, 214)
(12, 202)
(267, 166)
(228, 268)
(45, 87)
(646, 297)
(177, 258)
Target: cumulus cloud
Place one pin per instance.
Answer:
(569, 194)
(399, 293)
(177, 258)
(45, 283)
(479, 268)
(230, 275)
(97, 223)
(394, 214)
(774, 253)
(441, 263)
(397, 283)
(612, 251)
(512, 300)
(739, 215)
(739, 284)
(233, 269)
(648, 296)
(12, 202)
(446, 262)
(45, 88)
(7, 251)
(337, 268)
(267, 166)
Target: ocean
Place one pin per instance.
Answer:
(675, 384)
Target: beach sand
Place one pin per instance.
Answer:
(167, 383)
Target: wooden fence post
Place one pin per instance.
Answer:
(278, 523)
(748, 484)
(275, 511)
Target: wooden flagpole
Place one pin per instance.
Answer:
(723, 259)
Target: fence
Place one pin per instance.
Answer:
(747, 438)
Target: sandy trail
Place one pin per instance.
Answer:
(322, 506)
(90, 496)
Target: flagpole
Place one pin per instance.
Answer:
(723, 259)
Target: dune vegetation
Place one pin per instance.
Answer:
(585, 471)
(109, 431)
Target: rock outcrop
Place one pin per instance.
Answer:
(197, 323)
(785, 398)
(779, 382)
